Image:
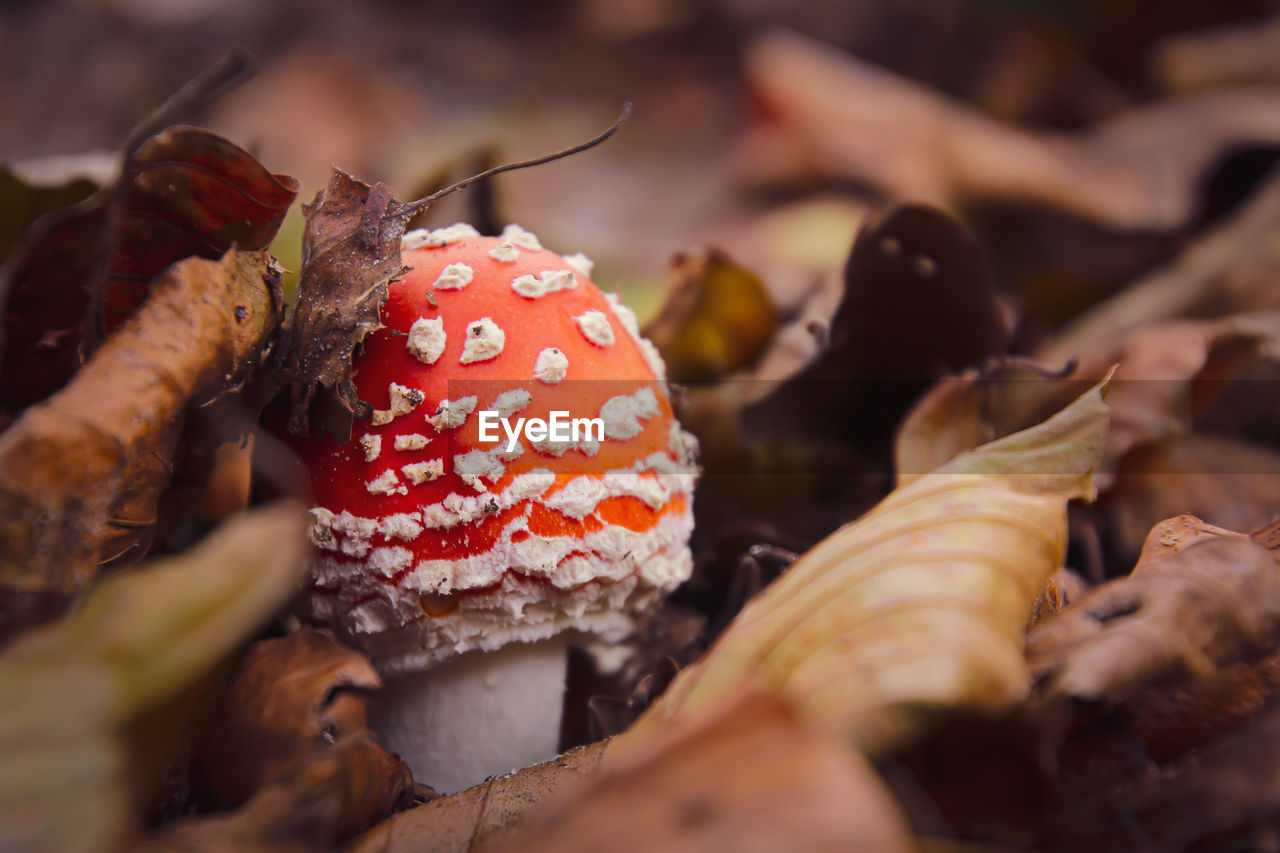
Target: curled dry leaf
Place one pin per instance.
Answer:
(1224, 796)
(81, 472)
(1200, 596)
(1139, 170)
(1226, 481)
(1169, 374)
(919, 605)
(1226, 272)
(745, 774)
(1171, 371)
(290, 700)
(717, 317)
(485, 813)
(34, 188)
(1223, 56)
(185, 192)
(952, 417)
(341, 789)
(350, 253)
(136, 640)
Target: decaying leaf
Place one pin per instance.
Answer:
(186, 192)
(1226, 56)
(747, 774)
(134, 641)
(1226, 481)
(350, 253)
(34, 188)
(920, 604)
(1139, 170)
(340, 790)
(1226, 272)
(80, 473)
(1168, 375)
(949, 419)
(1200, 596)
(1224, 796)
(717, 318)
(1171, 372)
(285, 701)
(485, 813)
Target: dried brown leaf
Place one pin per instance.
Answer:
(81, 472)
(917, 608)
(1224, 796)
(1170, 375)
(485, 813)
(1139, 170)
(186, 192)
(1225, 481)
(1224, 56)
(1199, 597)
(747, 775)
(342, 788)
(290, 697)
(136, 641)
(1228, 271)
(1169, 371)
(952, 417)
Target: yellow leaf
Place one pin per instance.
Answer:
(921, 604)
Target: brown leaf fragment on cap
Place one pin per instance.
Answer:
(351, 252)
(81, 472)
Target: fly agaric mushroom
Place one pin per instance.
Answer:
(460, 565)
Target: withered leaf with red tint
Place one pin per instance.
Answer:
(78, 273)
(30, 189)
(350, 253)
(185, 192)
(81, 473)
(44, 286)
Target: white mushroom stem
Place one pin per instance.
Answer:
(478, 715)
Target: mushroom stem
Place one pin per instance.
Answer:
(480, 714)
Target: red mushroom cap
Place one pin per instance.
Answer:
(433, 542)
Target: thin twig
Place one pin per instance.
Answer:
(232, 70)
(422, 203)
